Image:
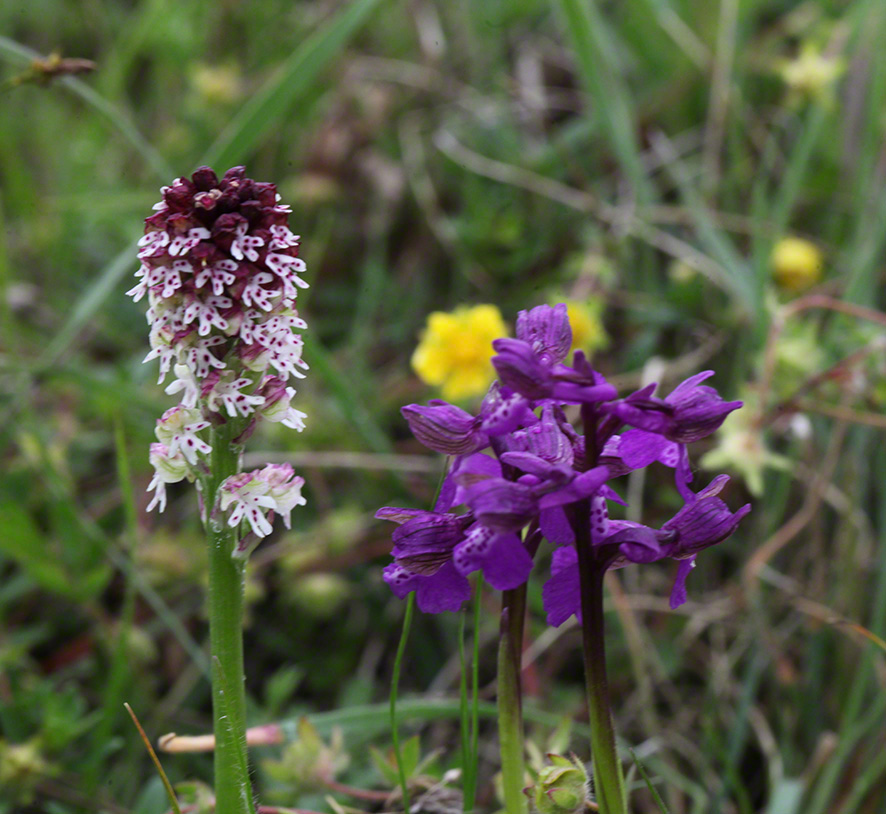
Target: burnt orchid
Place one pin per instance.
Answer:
(520, 472)
(221, 273)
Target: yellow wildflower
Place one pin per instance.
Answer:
(456, 348)
(812, 74)
(588, 333)
(796, 263)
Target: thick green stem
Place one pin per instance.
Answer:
(609, 782)
(232, 789)
(510, 712)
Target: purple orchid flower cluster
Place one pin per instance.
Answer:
(545, 480)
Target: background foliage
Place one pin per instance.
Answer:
(644, 157)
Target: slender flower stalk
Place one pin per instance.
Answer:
(395, 687)
(221, 271)
(226, 578)
(608, 777)
(510, 699)
(609, 781)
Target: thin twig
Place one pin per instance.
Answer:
(265, 735)
(804, 304)
(357, 794)
(170, 792)
(844, 413)
(834, 371)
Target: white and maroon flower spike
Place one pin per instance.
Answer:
(221, 272)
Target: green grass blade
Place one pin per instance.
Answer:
(296, 78)
(91, 300)
(395, 686)
(119, 667)
(656, 797)
(342, 388)
(739, 278)
(464, 715)
(592, 44)
(374, 719)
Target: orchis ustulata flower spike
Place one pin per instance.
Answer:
(221, 271)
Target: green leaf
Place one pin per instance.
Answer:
(592, 42)
(660, 804)
(385, 766)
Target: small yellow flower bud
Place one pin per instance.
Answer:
(796, 263)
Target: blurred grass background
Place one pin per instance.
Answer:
(642, 158)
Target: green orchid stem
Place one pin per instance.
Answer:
(510, 712)
(233, 794)
(395, 688)
(609, 781)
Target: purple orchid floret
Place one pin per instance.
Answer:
(704, 521)
(503, 410)
(691, 412)
(445, 428)
(429, 545)
(545, 439)
(502, 505)
(446, 590)
(547, 331)
(519, 367)
(519, 467)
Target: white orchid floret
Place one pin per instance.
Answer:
(285, 489)
(153, 243)
(253, 494)
(245, 245)
(167, 469)
(282, 238)
(200, 359)
(218, 274)
(186, 384)
(182, 244)
(177, 429)
(225, 393)
(281, 412)
(287, 268)
(161, 344)
(206, 313)
(250, 499)
(255, 293)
